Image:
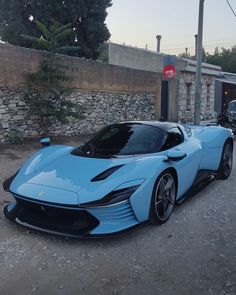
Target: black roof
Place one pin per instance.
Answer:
(162, 125)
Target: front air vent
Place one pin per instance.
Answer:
(106, 173)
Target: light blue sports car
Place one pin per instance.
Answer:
(128, 173)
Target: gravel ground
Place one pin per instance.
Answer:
(194, 253)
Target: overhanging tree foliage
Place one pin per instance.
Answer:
(225, 58)
(86, 16)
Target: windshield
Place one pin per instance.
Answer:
(232, 106)
(124, 139)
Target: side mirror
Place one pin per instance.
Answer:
(175, 155)
(45, 141)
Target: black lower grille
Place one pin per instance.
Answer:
(66, 221)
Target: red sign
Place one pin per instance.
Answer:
(169, 71)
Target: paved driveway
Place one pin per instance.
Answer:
(194, 253)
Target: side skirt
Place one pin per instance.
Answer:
(203, 178)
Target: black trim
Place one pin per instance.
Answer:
(88, 235)
(16, 196)
(78, 153)
(118, 233)
(203, 178)
(105, 174)
(111, 198)
(165, 126)
(48, 218)
(85, 233)
(7, 183)
(175, 159)
(202, 175)
(212, 124)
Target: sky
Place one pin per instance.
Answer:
(137, 22)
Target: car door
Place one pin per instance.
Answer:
(186, 168)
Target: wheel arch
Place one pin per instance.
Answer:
(220, 170)
(141, 200)
(230, 140)
(175, 175)
(173, 172)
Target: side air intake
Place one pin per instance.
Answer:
(106, 173)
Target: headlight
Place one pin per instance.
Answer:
(113, 197)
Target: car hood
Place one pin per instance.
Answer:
(48, 177)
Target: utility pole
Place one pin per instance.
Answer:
(198, 88)
(195, 46)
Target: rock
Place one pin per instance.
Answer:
(5, 125)
(229, 284)
(33, 288)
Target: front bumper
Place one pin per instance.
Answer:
(71, 221)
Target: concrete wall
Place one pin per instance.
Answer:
(107, 93)
(17, 62)
(136, 58)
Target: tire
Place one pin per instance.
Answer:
(226, 161)
(163, 198)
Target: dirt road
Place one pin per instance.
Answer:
(194, 253)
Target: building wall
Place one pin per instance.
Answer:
(186, 97)
(141, 59)
(147, 60)
(185, 75)
(107, 94)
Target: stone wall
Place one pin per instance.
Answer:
(186, 97)
(107, 94)
(106, 108)
(99, 109)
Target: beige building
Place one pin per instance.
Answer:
(176, 102)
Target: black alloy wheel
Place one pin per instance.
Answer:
(163, 199)
(226, 161)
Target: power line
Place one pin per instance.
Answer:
(208, 46)
(222, 40)
(230, 6)
(205, 45)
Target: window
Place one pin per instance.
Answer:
(174, 137)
